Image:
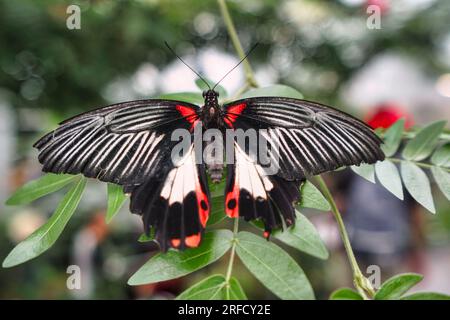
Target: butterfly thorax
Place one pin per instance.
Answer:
(211, 111)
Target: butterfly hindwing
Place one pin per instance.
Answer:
(311, 138)
(177, 206)
(252, 194)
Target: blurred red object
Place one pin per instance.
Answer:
(382, 4)
(387, 114)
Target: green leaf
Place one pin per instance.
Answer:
(441, 157)
(389, 177)
(214, 288)
(426, 296)
(311, 197)
(174, 264)
(211, 288)
(417, 184)
(234, 291)
(398, 285)
(191, 97)
(203, 87)
(442, 179)
(44, 237)
(421, 146)
(303, 236)
(273, 267)
(146, 238)
(277, 90)
(217, 211)
(116, 198)
(393, 138)
(367, 171)
(40, 187)
(345, 294)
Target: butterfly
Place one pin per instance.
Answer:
(129, 144)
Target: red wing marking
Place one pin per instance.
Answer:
(175, 243)
(232, 201)
(189, 114)
(202, 203)
(233, 113)
(193, 240)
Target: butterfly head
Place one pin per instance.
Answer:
(211, 107)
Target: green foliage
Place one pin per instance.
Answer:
(116, 198)
(398, 285)
(424, 143)
(345, 294)
(44, 237)
(174, 264)
(273, 267)
(38, 188)
(389, 177)
(421, 146)
(311, 197)
(366, 171)
(393, 138)
(191, 97)
(214, 287)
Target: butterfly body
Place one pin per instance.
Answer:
(130, 144)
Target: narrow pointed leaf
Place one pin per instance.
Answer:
(389, 177)
(234, 291)
(44, 237)
(214, 288)
(116, 198)
(441, 157)
(421, 146)
(417, 184)
(217, 210)
(367, 171)
(211, 288)
(393, 138)
(442, 179)
(398, 285)
(303, 236)
(40, 187)
(277, 90)
(311, 197)
(345, 294)
(426, 296)
(174, 264)
(273, 267)
(191, 97)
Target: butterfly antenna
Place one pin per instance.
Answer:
(192, 69)
(242, 60)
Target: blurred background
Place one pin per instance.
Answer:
(328, 50)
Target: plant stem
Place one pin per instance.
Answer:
(233, 250)
(361, 283)
(250, 78)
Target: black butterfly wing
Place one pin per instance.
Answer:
(177, 205)
(252, 194)
(304, 138)
(130, 144)
(311, 138)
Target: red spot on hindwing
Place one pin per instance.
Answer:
(233, 113)
(193, 240)
(202, 203)
(232, 201)
(189, 114)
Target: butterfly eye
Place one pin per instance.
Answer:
(204, 94)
